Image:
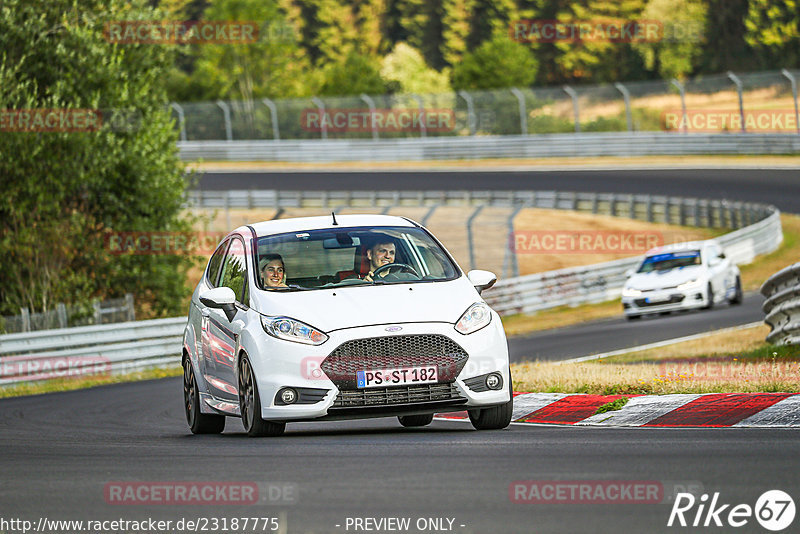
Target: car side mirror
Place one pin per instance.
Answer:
(714, 261)
(222, 298)
(629, 273)
(482, 279)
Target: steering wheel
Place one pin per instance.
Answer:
(400, 267)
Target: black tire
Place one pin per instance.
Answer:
(633, 317)
(415, 420)
(496, 417)
(709, 298)
(250, 405)
(199, 423)
(738, 297)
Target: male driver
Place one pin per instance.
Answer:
(380, 254)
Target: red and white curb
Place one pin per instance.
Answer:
(685, 410)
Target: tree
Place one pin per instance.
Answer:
(63, 192)
(406, 67)
(676, 56)
(354, 75)
(497, 63)
(773, 30)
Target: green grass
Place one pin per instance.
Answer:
(612, 406)
(68, 384)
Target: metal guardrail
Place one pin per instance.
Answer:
(91, 350)
(782, 307)
(483, 147)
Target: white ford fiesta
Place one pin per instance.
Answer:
(681, 276)
(354, 316)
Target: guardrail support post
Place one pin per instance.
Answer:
(323, 125)
(627, 97)
(98, 319)
(129, 305)
(423, 132)
(575, 106)
(61, 311)
(26, 319)
(735, 79)
(510, 263)
(793, 81)
(523, 112)
(226, 113)
(471, 120)
(682, 89)
(181, 118)
(273, 112)
(371, 105)
(428, 215)
(469, 236)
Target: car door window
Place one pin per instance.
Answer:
(234, 270)
(212, 273)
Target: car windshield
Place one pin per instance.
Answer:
(321, 259)
(670, 260)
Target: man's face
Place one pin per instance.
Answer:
(380, 254)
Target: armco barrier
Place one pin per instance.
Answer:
(483, 147)
(112, 348)
(782, 307)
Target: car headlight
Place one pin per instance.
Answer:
(292, 330)
(630, 292)
(687, 285)
(476, 317)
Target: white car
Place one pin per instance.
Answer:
(341, 317)
(681, 276)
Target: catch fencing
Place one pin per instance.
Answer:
(63, 316)
(782, 307)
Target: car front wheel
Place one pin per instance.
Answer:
(199, 423)
(738, 295)
(496, 417)
(250, 405)
(709, 298)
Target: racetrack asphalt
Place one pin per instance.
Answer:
(59, 451)
(616, 333)
(780, 187)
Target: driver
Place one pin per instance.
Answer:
(381, 253)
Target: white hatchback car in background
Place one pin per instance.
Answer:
(353, 316)
(681, 276)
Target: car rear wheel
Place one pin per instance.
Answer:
(633, 317)
(250, 405)
(199, 423)
(415, 420)
(738, 296)
(496, 417)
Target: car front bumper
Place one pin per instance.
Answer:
(665, 300)
(279, 364)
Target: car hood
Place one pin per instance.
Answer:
(348, 307)
(662, 279)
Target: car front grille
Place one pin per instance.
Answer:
(674, 299)
(391, 396)
(391, 352)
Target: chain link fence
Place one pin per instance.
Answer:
(109, 311)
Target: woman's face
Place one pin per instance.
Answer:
(273, 273)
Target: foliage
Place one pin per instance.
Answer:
(354, 75)
(676, 54)
(773, 29)
(63, 192)
(499, 62)
(406, 68)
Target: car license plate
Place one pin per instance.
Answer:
(660, 298)
(396, 377)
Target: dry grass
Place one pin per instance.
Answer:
(756, 273)
(722, 344)
(645, 378)
(558, 317)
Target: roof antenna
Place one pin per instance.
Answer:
(333, 214)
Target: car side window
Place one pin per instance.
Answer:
(212, 273)
(234, 270)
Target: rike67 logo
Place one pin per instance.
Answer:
(774, 510)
